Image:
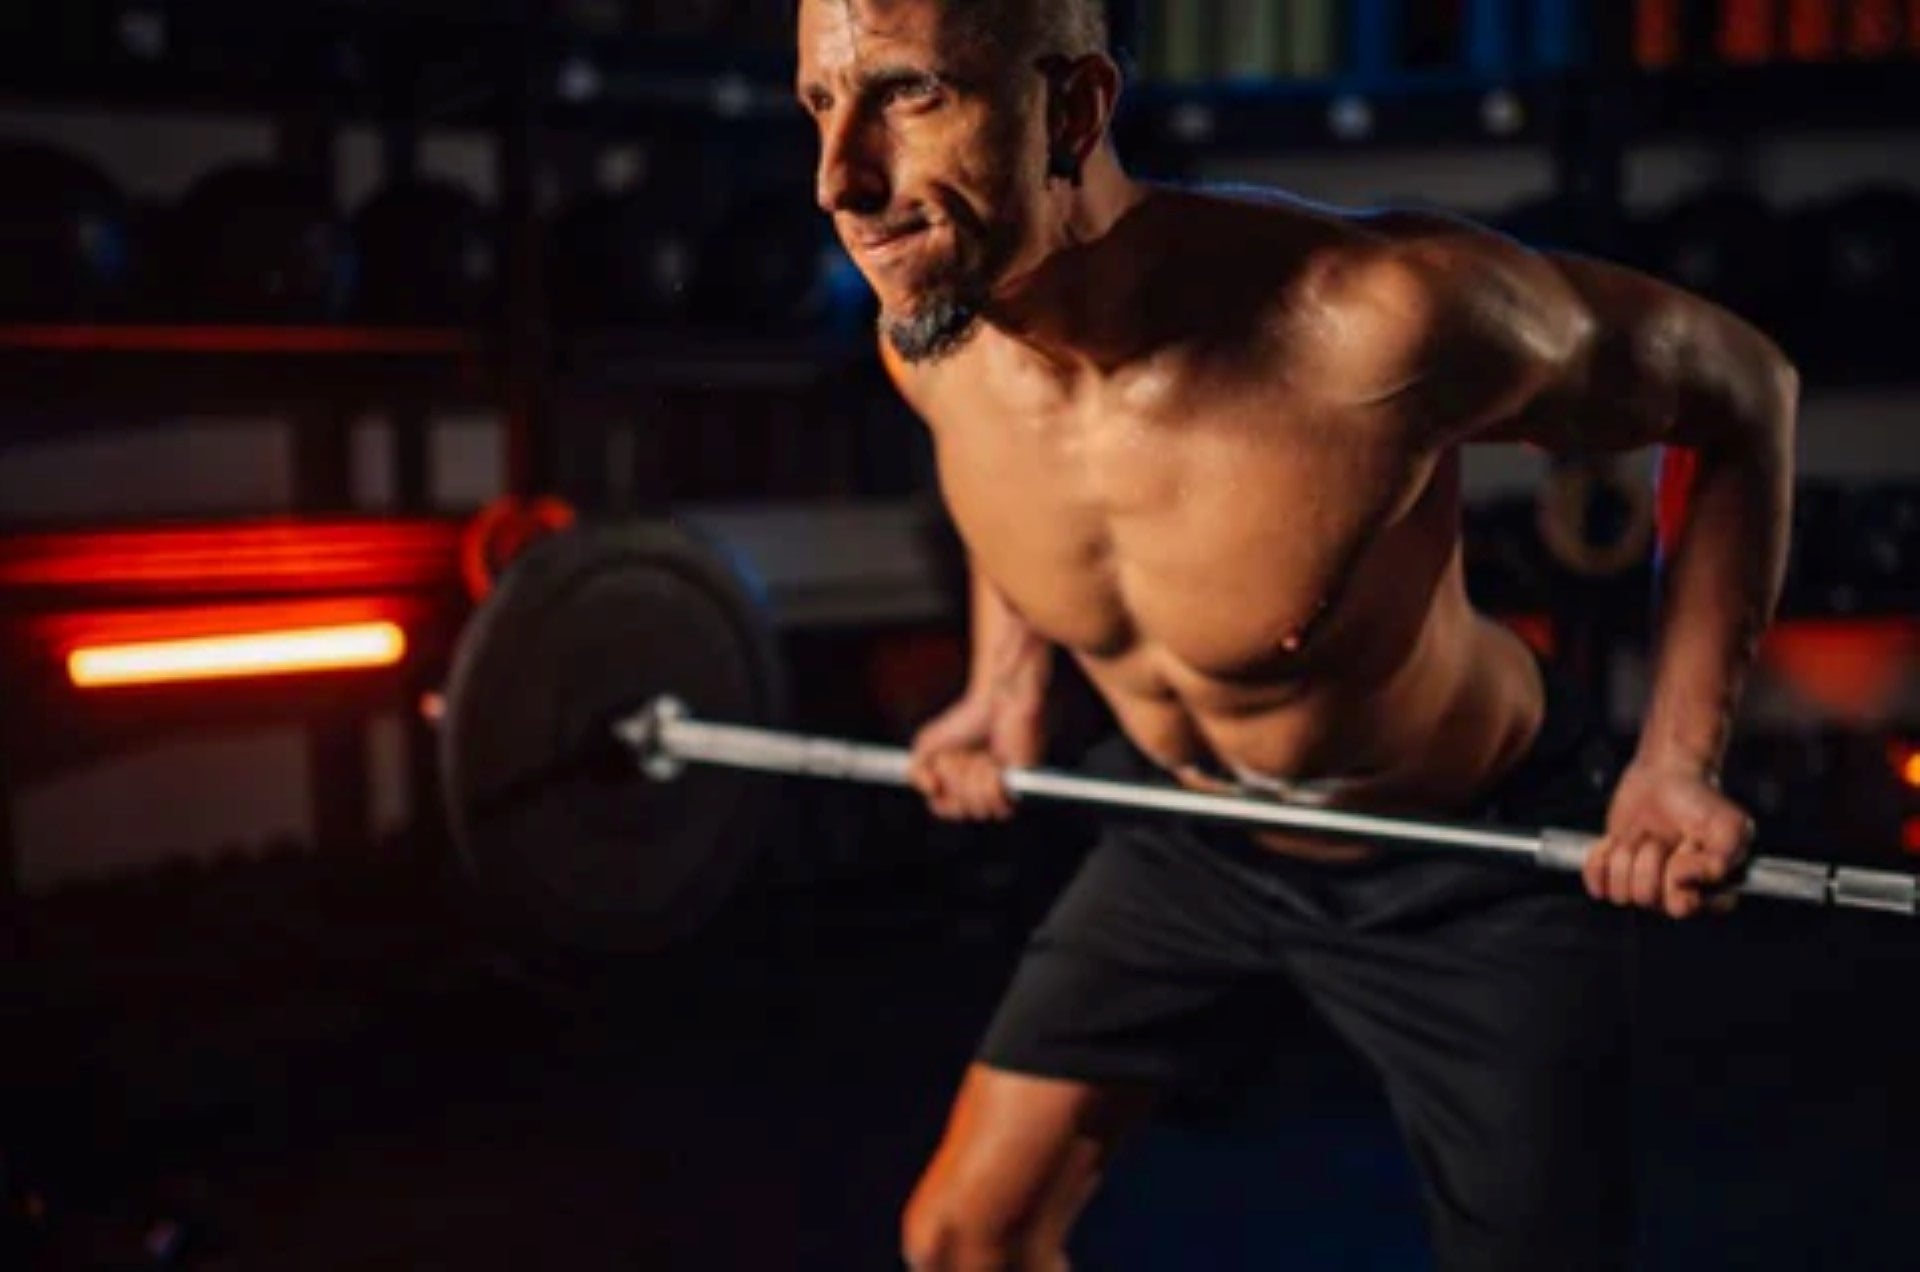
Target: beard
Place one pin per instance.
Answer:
(946, 311)
(940, 324)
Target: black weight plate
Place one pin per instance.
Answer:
(550, 813)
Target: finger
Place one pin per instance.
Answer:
(999, 800)
(1649, 871)
(1705, 878)
(948, 791)
(1684, 888)
(925, 776)
(1620, 871)
(972, 795)
(982, 799)
(977, 798)
(1732, 830)
(920, 775)
(1725, 842)
(1593, 871)
(1715, 865)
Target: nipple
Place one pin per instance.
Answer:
(1296, 640)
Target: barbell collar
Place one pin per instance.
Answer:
(1885, 890)
(1787, 880)
(665, 737)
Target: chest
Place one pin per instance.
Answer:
(1228, 529)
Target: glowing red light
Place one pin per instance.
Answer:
(238, 656)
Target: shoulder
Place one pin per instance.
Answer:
(1267, 273)
(1407, 296)
(1405, 274)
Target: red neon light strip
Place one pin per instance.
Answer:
(240, 556)
(229, 657)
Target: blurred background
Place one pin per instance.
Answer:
(312, 314)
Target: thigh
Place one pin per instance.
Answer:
(1502, 1040)
(1143, 972)
(1129, 988)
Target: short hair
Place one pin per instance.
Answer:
(1038, 28)
(1047, 28)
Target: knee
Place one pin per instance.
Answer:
(951, 1231)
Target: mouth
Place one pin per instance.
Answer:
(878, 248)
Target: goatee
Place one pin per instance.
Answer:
(937, 328)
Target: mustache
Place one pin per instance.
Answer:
(872, 233)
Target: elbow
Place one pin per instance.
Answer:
(1762, 407)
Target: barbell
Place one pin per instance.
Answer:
(610, 702)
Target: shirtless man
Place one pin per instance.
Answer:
(1208, 445)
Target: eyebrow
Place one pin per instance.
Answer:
(872, 80)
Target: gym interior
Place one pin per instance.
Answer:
(320, 320)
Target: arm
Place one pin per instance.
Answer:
(1000, 718)
(1011, 665)
(1578, 356)
(1666, 367)
(999, 722)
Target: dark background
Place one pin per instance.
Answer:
(288, 293)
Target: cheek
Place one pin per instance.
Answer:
(998, 206)
(990, 165)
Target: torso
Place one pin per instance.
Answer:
(1259, 580)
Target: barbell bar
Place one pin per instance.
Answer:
(665, 738)
(567, 676)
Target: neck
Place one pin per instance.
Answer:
(1066, 306)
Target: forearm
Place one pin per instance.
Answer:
(1010, 664)
(1722, 584)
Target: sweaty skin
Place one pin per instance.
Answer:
(1256, 565)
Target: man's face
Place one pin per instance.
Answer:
(932, 153)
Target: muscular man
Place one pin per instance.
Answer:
(1208, 445)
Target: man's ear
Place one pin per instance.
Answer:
(1081, 95)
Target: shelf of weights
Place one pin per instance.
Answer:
(432, 63)
(1669, 103)
(1211, 90)
(1186, 121)
(63, 372)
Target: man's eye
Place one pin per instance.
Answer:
(912, 92)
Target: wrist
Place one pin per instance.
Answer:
(1679, 759)
(1013, 703)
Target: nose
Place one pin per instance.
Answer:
(852, 175)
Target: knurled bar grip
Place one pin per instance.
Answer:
(664, 738)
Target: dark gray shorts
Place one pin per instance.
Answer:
(1490, 996)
